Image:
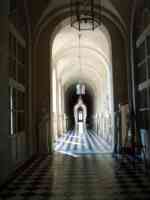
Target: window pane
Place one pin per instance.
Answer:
(141, 52)
(143, 99)
(20, 101)
(14, 99)
(148, 44)
(149, 68)
(12, 68)
(143, 119)
(20, 122)
(149, 95)
(20, 54)
(14, 47)
(10, 43)
(141, 73)
(21, 74)
(17, 72)
(14, 122)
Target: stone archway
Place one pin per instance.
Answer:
(95, 68)
(41, 52)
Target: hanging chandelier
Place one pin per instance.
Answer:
(85, 14)
(80, 86)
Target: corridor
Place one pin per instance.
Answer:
(88, 142)
(84, 178)
(75, 100)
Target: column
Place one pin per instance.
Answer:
(55, 128)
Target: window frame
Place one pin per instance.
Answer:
(145, 85)
(17, 87)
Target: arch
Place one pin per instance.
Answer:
(53, 11)
(56, 20)
(96, 61)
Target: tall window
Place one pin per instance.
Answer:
(143, 79)
(17, 84)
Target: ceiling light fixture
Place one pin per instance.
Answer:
(80, 87)
(85, 14)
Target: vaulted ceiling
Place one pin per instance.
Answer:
(84, 56)
(39, 8)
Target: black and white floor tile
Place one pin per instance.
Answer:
(88, 177)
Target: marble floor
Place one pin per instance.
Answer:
(87, 142)
(88, 177)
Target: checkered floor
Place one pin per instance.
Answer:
(90, 177)
(73, 143)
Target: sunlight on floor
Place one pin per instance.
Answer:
(78, 143)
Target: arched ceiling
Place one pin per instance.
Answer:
(86, 59)
(97, 39)
(38, 10)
